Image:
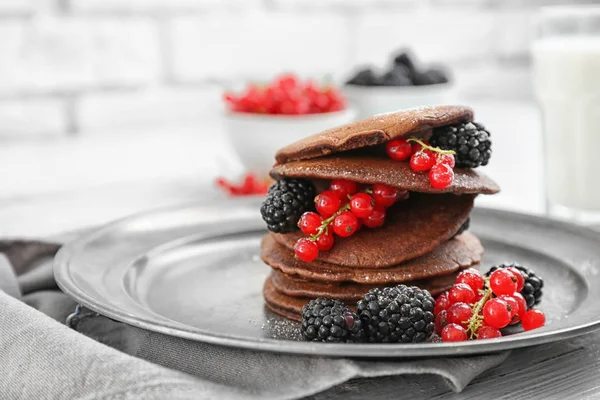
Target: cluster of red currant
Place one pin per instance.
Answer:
(250, 185)
(286, 94)
(343, 210)
(423, 157)
(477, 307)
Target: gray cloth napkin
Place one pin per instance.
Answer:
(42, 358)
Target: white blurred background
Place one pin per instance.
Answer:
(104, 96)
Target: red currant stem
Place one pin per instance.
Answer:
(426, 146)
(326, 222)
(475, 320)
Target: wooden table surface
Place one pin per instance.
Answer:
(50, 188)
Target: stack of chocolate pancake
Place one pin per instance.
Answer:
(421, 242)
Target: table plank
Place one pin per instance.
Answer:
(562, 370)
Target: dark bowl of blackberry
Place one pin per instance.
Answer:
(404, 83)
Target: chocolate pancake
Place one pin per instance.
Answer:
(370, 169)
(279, 303)
(412, 228)
(461, 252)
(373, 131)
(348, 291)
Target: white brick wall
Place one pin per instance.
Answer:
(449, 36)
(32, 118)
(50, 53)
(147, 108)
(127, 64)
(27, 6)
(143, 5)
(258, 45)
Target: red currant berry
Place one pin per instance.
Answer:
(459, 313)
(286, 82)
(441, 303)
(487, 332)
(306, 250)
(384, 195)
(325, 242)
(522, 304)
(441, 176)
(415, 147)
(513, 307)
(447, 159)
(441, 321)
(502, 281)
(421, 161)
(309, 223)
(519, 276)
(471, 277)
(533, 319)
(478, 296)
(362, 205)
(454, 333)
(345, 224)
(398, 149)
(461, 293)
(496, 313)
(327, 203)
(343, 188)
(376, 219)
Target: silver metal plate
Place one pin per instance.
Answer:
(195, 272)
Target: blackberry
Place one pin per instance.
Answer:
(405, 59)
(396, 77)
(532, 291)
(464, 226)
(470, 141)
(365, 77)
(397, 314)
(326, 320)
(286, 201)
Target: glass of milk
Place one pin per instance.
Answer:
(566, 72)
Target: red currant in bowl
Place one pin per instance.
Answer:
(268, 116)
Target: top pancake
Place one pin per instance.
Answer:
(372, 131)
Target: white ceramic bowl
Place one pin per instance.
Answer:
(372, 100)
(256, 137)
